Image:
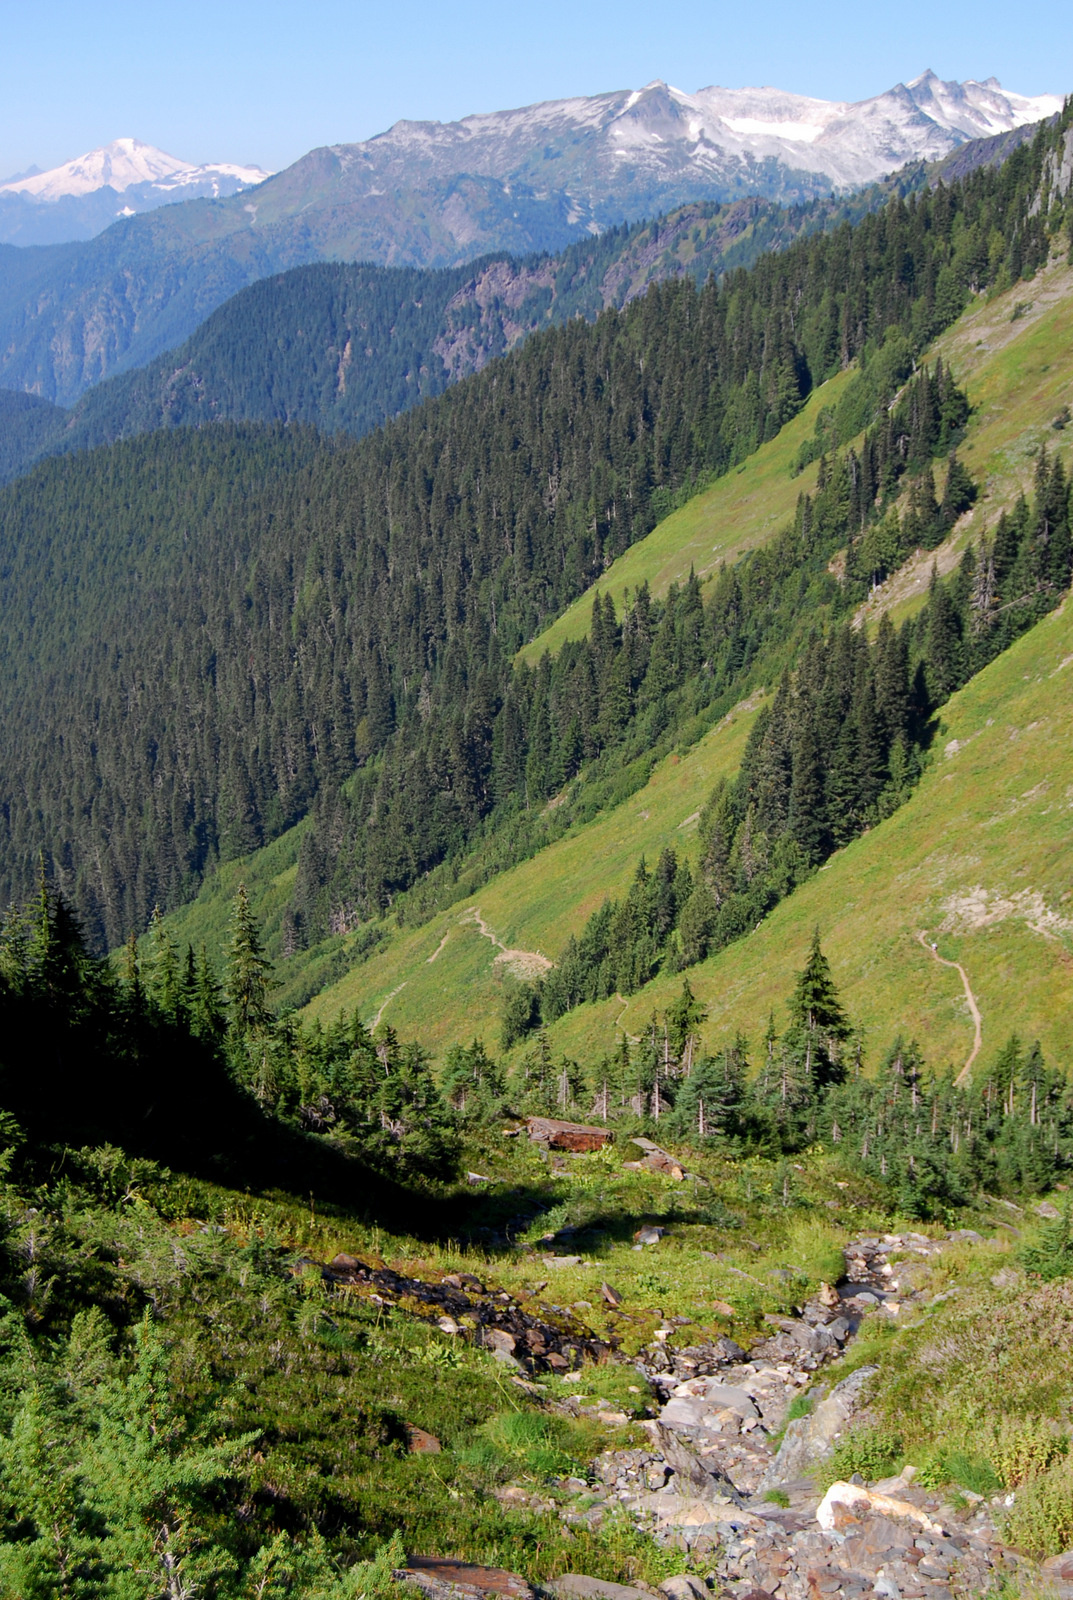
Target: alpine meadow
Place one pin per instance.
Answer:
(535, 805)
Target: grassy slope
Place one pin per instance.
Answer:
(1018, 376)
(739, 512)
(979, 858)
(453, 982)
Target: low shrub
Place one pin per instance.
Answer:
(1040, 1521)
(871, 1452)
(1025, 1448)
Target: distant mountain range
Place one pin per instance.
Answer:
(83, 197)
(441, 194)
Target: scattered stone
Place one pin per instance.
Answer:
(422, 1443)
(649, 1234)
(689, 1411)
(724, 1309)
(612, 1296)
(1046, 1210)
(965, 1236)
(460, 1301)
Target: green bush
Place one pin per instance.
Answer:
(520, 1442)
(1050, 1255)
(873, 1452)
(1040, 1521)
(971, 1472)
(1025, 1448)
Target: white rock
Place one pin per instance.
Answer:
(856, 1499)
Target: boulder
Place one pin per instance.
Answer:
(499, 1339)
(443, 1579)
(578, 1587)
(808, 1439)
(422, 1443)
(576, 1136)
(685, 1587)
(699, 1481)
(845, 1505)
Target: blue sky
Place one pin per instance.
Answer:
(233, 80)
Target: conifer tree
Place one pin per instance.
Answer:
(248, 982)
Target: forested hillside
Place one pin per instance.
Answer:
(344, 347)
(237, 620)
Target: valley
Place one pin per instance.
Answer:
(536, 992)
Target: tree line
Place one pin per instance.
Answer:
(838, 748)
(105, 1030)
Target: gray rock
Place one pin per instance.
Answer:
(965, 1236)
(808, 1439)
(580, 1587)
(1047, 1211)
(685, 1587)
(818, 1340)
(694, 1478)
(729, 1349)
(688, 1411)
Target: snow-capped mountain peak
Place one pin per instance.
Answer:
(129, 163)
(667, 132)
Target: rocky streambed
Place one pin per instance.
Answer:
(701, 1482)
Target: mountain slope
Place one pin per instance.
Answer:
(978, 860)
(429, 194)
(978, 850)
(915, 867)
(82, 197)
(346, 348)
(341, 618)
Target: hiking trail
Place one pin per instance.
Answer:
(375, 1023)
(521, 963)
(978, 1021)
